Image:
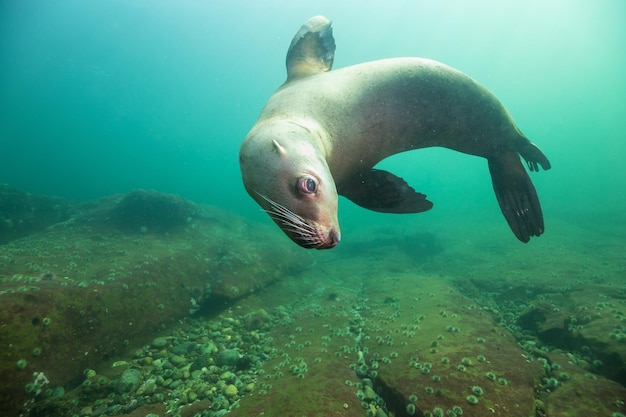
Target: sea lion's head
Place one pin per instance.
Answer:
(284, 170)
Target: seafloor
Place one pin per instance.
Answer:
(145, 304)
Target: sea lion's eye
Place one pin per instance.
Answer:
(307, 185)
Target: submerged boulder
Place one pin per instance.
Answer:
(23, 213)
(130, 380)
(151, 211)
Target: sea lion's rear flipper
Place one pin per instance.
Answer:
(533, 156)
(312, 49)
(382, 191)
(517, 196)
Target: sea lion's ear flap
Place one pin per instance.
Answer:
(312, 49)
(278, 148)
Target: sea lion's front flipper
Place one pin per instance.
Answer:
(516, 195)
(312, 49)
(382, 191)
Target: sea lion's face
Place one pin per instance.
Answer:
(284, 171)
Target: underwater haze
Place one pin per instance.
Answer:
(125, 297)
(106, 97)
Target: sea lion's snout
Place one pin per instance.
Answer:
(332, 239)
(304, 231)
(313, 235)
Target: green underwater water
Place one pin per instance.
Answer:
(98, 98)
(102, 98)
(105, 97)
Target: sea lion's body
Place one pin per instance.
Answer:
(354, 117)
(396, 105)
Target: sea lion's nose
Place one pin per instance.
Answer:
(333, 238)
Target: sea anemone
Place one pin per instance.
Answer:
(472, 399)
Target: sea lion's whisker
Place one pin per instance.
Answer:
(293, 223)
(284, 214)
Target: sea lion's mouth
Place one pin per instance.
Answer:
(303, 232)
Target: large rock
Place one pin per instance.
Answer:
(363, 346)
(90, 288)
(583, 320)
(23, 213)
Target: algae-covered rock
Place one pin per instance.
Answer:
(130, 380)
(159, 342)
(23, 213)
(230, 390)
(582, 321)
(576, 392)
(149, 211)
(178, 360)
(227, 357)
(110, 289)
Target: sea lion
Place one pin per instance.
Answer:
(322, 133)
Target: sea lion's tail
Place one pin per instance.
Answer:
(516, 193)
